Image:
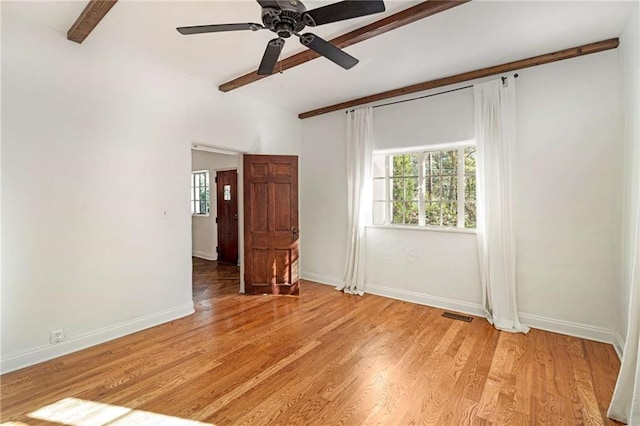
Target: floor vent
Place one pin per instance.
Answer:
(457, 316)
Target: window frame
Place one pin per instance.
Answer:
(421, 151)
(195, 187)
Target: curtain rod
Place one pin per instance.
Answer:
(504, 79)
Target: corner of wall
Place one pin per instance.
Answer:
(629, 66)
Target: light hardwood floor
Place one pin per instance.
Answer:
(319, 359)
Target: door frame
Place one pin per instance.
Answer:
(240, 170)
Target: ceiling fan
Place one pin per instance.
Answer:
(289, 17)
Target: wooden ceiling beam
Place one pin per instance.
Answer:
(88, 19)
(471, 75)
(391, 22)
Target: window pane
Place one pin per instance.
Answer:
(450, 214)
(434, 188)
(470, 188)
(470, 160)
(197, 204)
(378, 165)
(397, 186)
(378, 189)
(449, 188)
(203, 207)
(433, 212)
(449, 162)
(434, 164)
(405, 213)
(379, 212)
(412, 189)
(411, 165)
(398, 165)
(470, 215)
(397, 212)
(412, 213)
(405, 165)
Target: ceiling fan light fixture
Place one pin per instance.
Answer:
(287, 17)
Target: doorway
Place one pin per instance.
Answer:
(213, 265)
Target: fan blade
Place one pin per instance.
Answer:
(273, 4)
(200, 29)
(270, 57)
(328, 50)
(342, 10)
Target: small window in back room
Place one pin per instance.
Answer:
(430, 188)
(200, 198)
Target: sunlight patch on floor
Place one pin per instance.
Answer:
(79, 412)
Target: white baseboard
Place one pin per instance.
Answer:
(584, 331)
(322, 279)
(589, 332)
(203, 255)
(47, 352)
(618, 344)
(425, 299)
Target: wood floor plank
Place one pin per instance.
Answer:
(323, 358)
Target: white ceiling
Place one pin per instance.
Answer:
(471, 36)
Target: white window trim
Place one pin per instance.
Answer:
(426, 228)
(193, 193)
(420, 151)
(416, 149)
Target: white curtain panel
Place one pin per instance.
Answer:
(359, 151)
(625, 405)
(495, 145)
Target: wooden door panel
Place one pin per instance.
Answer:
(271, 224)
(283, 264)
(259, 193)
(260, 261)
(281, 169)
(282, 199)
(259, 169)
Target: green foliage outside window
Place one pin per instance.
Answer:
(432, 178)
(406, 189)
(200, 193)
(470, 187)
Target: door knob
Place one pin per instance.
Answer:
(294, 231)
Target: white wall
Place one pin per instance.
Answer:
(96, 145)
(569, 189)
(630, 84)
(204, 230)
(569, 157)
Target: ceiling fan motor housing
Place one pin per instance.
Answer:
(286, 20)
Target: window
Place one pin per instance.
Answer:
(435, 188)
(200, 193)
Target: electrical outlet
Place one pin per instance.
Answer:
(57, 336)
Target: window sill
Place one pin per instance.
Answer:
(425, 228)
(199, 215)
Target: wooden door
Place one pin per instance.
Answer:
(227, 215)
(271, 224)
